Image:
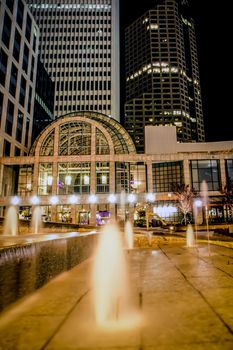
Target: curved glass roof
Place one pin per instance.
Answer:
(122, 142)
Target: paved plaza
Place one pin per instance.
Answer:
(184, 297)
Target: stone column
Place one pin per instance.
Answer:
(223, 177)
(149, 176)
(187, 175)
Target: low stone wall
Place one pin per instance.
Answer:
(27, 267)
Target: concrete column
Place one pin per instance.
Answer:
(1, 178)
(93, 178)
(187, 175)
(35, 176)
(73, 214)
(93, 215)
(112, 209)
(112, 177)
(149, 176)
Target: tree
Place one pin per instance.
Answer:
(185, 195)
(228, 197)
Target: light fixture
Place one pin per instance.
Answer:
(150, 197)
(92, 199)
(73, 199)
(68, 180)
(15, 200)
(54, 200)
(86, 180)
(131, 198)
(112, 198)
(35, 200)
(198, 203)
(104, 179)
(49, 180)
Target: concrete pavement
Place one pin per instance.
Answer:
(184, 297)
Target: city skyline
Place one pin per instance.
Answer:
(212, 30)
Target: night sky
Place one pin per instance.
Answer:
(215, 61)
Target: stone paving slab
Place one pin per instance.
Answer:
(184, 296)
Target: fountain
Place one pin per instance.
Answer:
(36, 220)
(112, 302)
(129, 235)
(190, 242)
(11, 222)
(205, 199)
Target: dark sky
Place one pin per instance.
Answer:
(213, 28)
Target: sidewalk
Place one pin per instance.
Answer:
(184, 295)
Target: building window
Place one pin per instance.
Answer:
(6, 31)
(22, 92)
(48, 145)
(64, 213)
(3, 67)
(25, 180)
(13, 80)
(10, 5)
(28, 28)
(207, 170)
(45, 179)
(9, 118)
(17, 151)
(122, 177)
(102, 146)
(102, 177)
(26, 140)
(1, 107)
(138, 178)
(166, 174)
(16, 48)
(75, 139)
(74, 178)
(6, 148)
(20, 11)
(19, 128)
(25, 58)
(229, 170)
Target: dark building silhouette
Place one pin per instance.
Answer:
(162, 73)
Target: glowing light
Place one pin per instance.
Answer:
(54, 200)
(112, 198)
(104, 179)
(68, 180)
(35, 200)
(198, 203)
(150, 197)
(132, 198)
(73, 199)
(92, 199)
(86, 180)
(49, 180)
(165, 211)
(15, 200)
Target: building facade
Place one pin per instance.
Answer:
(84, 168)
(162, 74)
(18, 62)
(44, 100)
(79, 47)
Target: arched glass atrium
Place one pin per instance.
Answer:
(83, 168)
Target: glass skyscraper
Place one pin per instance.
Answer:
(79, 47)
(162, 73)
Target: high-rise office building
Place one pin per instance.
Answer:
(79, 47)
(162, 74)
(18, 62)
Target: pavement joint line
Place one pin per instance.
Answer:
(63, 321)
(200, 293)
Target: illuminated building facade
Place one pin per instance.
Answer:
(84, 169)
(79, 47)
(162, 74)
(18, 62)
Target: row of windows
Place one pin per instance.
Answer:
(83, 98)
(130, 177)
